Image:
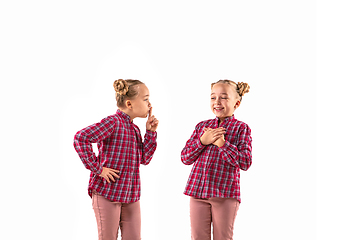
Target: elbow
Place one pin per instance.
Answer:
(146, 160)
(76, 140)
(186, 163)
(185, 160)
(78, 137)
(246, 165)
(245, 168)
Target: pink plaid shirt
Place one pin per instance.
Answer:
(120, 147)
(216, 172)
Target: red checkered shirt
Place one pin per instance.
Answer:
(216, 172)
(120, 147)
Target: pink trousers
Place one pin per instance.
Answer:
(220, 211)
(112, 215)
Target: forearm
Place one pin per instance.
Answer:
(149, 146)
(92, 134)
(191, 151)
(84, 149)
(239, 158)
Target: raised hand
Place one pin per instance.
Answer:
(109, 173)
(211, 135)
(152, 123)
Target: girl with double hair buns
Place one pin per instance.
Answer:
(114, 184)
(219, 148)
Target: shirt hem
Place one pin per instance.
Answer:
(211, 196)
(90, 190)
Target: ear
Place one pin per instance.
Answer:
(237, 104)
(128, 104)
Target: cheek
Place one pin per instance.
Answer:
(229, 106)
(225, 103)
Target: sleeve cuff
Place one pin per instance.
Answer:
(225, 146)
(95, 167)
(151, 135)
(198, 144)
(99, 171)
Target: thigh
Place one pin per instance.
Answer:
(107, 215)
(130, 221)
(200, 219)
(224, 212)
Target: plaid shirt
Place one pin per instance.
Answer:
(120, 147)
(216, 172)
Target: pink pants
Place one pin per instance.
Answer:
(112, 215)
(220, 211)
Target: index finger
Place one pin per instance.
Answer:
(150, 113)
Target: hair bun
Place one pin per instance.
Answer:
(121, 87)
(242, 88)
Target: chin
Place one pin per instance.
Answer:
(217, 114)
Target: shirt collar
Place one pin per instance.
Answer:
(226, 120)
(123, 115)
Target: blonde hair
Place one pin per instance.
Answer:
(125, 89)
(241, 88)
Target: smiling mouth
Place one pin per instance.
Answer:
(218, 109)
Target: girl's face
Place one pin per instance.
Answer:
(140, 106)
(223, 101)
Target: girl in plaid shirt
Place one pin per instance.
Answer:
(114, 184)
(218, 148)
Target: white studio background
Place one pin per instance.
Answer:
(59, 60)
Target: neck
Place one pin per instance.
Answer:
(128, 112)
(220, 121)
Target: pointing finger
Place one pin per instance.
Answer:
(150, 113)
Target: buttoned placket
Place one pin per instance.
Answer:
(208, 163)
(133, 163)
(206, 167)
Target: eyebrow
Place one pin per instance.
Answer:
(220, 94)
(146, 95)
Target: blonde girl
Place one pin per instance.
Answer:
(114, 184)
(219, 148)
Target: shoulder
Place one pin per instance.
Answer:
(110, 118)
(241, 125)
(111, 121)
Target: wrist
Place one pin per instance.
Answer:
(219, 143)
(201, 141)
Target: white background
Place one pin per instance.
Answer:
(300, 58)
